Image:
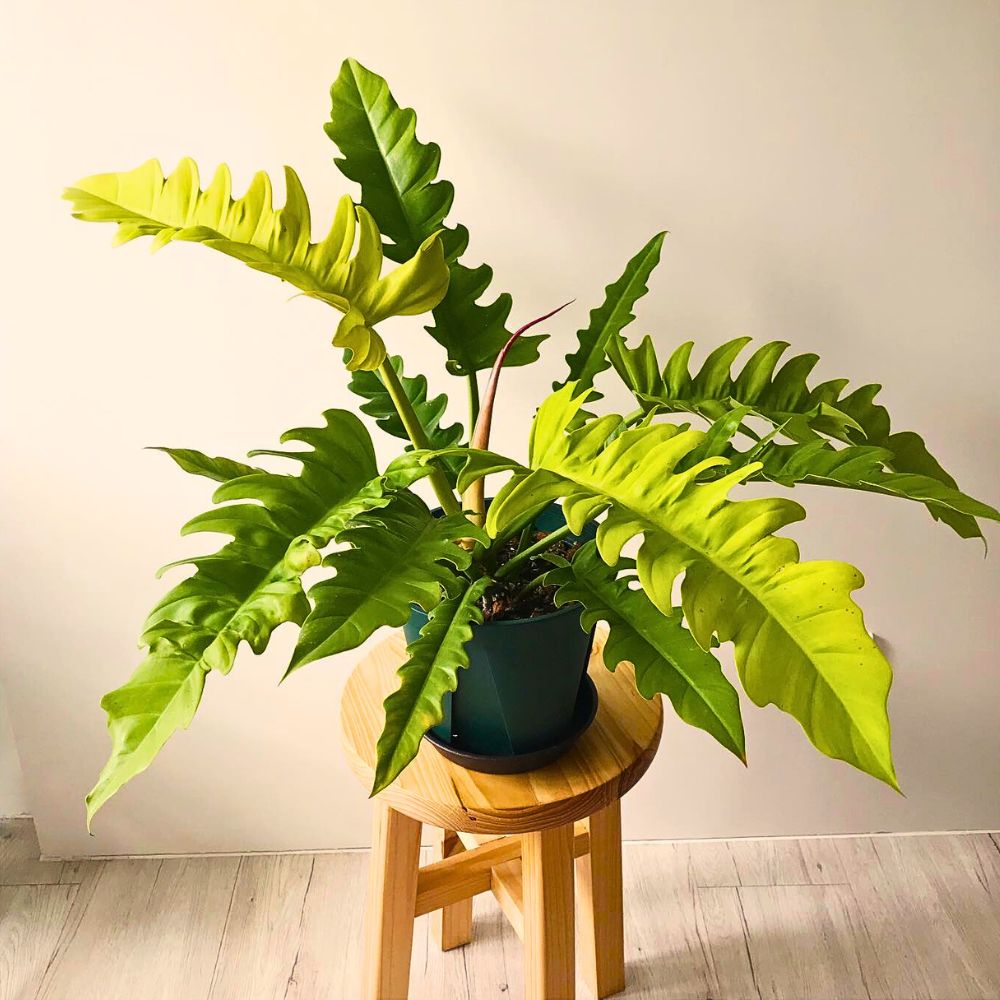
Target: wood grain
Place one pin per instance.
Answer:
(330, 936)
(918, 921)
(462, 875)
(489, 969)
(607, 761)
(723, 943)
(549, 932)
(601, 921)
(809, 861)
(505, 877)
(84, 876)
(19, 864)
(933, 922)
(31, 920)
(389, 909)
(134, 908)
(507, 884)
(451, 926)
(257, 956)
(805, 941)
(711, 864)
(666, 956)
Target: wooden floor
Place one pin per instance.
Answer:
(830, 919)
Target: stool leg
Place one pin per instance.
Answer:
(451, 925)
(392, 894)
(547, 876)
(602, 925)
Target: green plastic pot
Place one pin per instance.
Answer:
(520, 692)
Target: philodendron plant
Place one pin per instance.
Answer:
(798, 637)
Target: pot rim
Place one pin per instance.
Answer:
(565, 609)
(548, 616)
(439, 512)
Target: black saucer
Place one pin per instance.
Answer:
(518, 763)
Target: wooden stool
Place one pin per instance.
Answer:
(530, 867)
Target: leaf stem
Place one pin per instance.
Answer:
(540, 546)
(439, 482)
(530, 585)
(474, 497)
(473, 380)
(526, 534)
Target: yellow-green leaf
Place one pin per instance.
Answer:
(799, 639)
(344, 269)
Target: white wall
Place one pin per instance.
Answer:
(12, 798)
(828, 175)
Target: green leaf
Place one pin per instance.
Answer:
(718, 438)
(144, 203)
(609, 319)
(474, 333)
(783, 397)
(817, 462)
(199, 464)
(910, 455)
(799, 639)
(428, 411)
(435, 657)
(478, 462)
(161, 697)
(666, 658)
(240, 593)
(396, 171)
(398, 556)
(861, 467)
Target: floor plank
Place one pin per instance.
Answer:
(711, 864)
(494, 966)
(326, 965)
(83, 876)
(666, 956)
(720, 919)
(921, 952)
(808, 861)
(919, 920)
(722, 929)
(19, 864)
(967, 879)
(31, 920)
(941, 903)
(983, 860)
(150, 929)
(261, 940)
(488, 968)
(804, 942)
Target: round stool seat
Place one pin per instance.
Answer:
(610, 757)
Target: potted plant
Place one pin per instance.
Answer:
(469, 580)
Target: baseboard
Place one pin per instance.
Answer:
(664, 840)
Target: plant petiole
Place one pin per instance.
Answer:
(527, 532)
(532, 550)
(530, 586)
(439, 482)
(473, 380)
